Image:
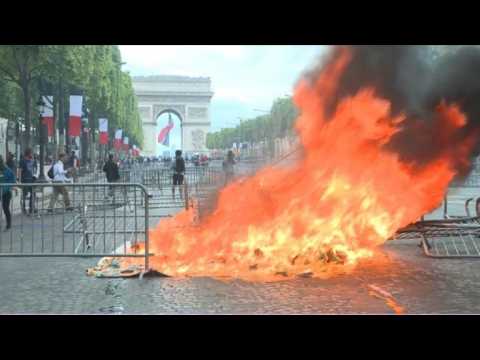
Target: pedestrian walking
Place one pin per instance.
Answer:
(60, 175)
(228, 166)
(27, 170)
(178, 172)
(6, 177)
(111, 172)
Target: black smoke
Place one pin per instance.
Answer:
(415, 86)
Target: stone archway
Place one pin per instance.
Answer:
(188, 97)
(175, 112)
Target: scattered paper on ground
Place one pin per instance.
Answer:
(110, 268)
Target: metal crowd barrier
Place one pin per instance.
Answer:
(446, 239)
(154, 176)
(198, 182)
(200, 185)
(470, 197)
(457, 234)
(97, 220)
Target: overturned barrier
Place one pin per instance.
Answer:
(457, 235)
(452, 238)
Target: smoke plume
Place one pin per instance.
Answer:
(416, 88)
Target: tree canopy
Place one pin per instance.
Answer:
(26, 71)
(278, 123)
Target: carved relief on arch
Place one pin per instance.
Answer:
(197, 112)
(198, 139)
(145, 112)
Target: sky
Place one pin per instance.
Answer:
(244, 78)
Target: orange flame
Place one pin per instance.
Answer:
(332, 209)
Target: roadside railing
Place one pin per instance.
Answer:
(75, 220)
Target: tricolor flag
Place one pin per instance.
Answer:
(117, 144)
(163, 136)
(75, 123)
(47, 114)
(125, 143)
(103, 129)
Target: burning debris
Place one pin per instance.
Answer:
(379, 293)
(383, 135)
(117, 268)
(111, 267)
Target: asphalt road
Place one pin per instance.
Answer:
(418, 284)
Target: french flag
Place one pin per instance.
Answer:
(103, 128)
(117, 143)
(136, 150)
(47, 114)
(75, 123)
(163, 135)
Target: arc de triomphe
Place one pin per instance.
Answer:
(187, 97)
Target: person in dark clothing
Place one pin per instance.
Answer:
(11, 162)
(178, 172)
(228, 166)
(28, 169)
(71, 160)
(111, 172)
(6, 177)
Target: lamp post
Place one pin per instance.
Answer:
(42, 136)
(241, 128)
(266, 131)
(84, 141)
(85, 134)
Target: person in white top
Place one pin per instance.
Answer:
(60, 176)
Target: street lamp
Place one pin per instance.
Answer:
(265, 132)
(241, 129)
(42, 133)
(85, 133)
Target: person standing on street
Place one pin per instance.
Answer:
(111, 172)
(71, 160)
(227, 165)
(178, 172)
(6, 177)
(72, 164)
(27, 170)
(11, 162)
(36, 159)
(60, 176)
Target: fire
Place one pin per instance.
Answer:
(328, 212)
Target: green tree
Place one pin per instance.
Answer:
(283, 115)
(93, 70)
(21, 65)
(278, 123)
